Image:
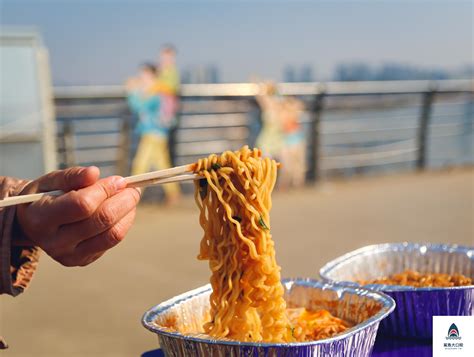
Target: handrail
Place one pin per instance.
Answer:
(215, 117)
(252, 89)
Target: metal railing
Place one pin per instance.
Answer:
(349, 125)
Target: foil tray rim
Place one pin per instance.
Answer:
(388, 305)
(399, 247)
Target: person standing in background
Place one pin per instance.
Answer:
(152, 152)
(167, 85)
(293, 154)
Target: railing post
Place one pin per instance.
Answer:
(314, 137)
(124, 145)
(68, 143)
(172, 136)
(425, 116)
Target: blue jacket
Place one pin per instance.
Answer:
(147, 108)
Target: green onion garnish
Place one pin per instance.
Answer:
(262, 223)
(216, 166)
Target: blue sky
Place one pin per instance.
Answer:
(102, 42)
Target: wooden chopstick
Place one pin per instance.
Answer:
(174, 171)
(175, 174)
(18, 200)
(160, 181)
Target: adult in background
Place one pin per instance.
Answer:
(167, 84)
(167, 88)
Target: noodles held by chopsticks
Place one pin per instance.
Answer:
(247, 300)
(247, 303)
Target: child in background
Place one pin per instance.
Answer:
(293, 154)
(152, 152)
(282, 136)
(270, 139)
(142, 102)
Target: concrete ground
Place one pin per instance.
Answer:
(95, 311)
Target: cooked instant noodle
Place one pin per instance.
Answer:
(314, 325)
(247, 303)
(416, 279)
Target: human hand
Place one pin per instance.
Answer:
(78, 227)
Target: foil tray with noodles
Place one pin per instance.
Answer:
(416, 306)
(178, 322)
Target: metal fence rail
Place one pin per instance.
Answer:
(349, 125)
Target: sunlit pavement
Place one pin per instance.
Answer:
(96, 311)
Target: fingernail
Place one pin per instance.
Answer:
(120, 183)
(94, 168)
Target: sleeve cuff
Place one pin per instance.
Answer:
(17, 263)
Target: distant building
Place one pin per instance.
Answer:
(212, 74)
(200, 74)
(353, 72)
(298, 74)
(289, 74)
(185, 76)
(387, 72)
(306, 74)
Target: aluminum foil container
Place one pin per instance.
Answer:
(178, 321)
(415, 306)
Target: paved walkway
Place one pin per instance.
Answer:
(95, 311)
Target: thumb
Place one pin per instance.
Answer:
(73, 178)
